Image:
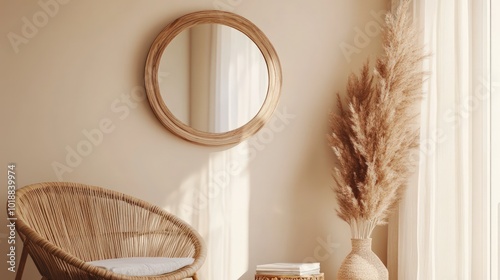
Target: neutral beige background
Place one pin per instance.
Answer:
(78, 68)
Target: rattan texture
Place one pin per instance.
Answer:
(63, 225)
(362, 263)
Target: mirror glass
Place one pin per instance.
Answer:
(213, 78)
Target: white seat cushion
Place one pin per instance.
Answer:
(144, 266)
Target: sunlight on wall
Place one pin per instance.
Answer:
(215, 201)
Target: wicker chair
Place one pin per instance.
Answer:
(65, 225)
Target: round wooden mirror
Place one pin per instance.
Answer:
(213, 78)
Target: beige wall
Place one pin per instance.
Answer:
(82, 68)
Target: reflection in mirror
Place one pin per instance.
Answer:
(222, 86)
(213, 78)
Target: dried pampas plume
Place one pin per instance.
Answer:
(373, 135)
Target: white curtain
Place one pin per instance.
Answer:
(443, 221)
(240, 79)
(495, 138)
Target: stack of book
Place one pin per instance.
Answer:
(292, 269)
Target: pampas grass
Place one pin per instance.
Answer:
(374, 133)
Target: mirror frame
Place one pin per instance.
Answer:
(185, 131)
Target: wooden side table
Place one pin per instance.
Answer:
(320, 276)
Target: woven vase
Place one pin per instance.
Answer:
(362, 263)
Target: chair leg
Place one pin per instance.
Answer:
(22, 262)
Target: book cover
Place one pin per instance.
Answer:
(288, 269)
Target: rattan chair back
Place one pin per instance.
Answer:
(65, 225)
